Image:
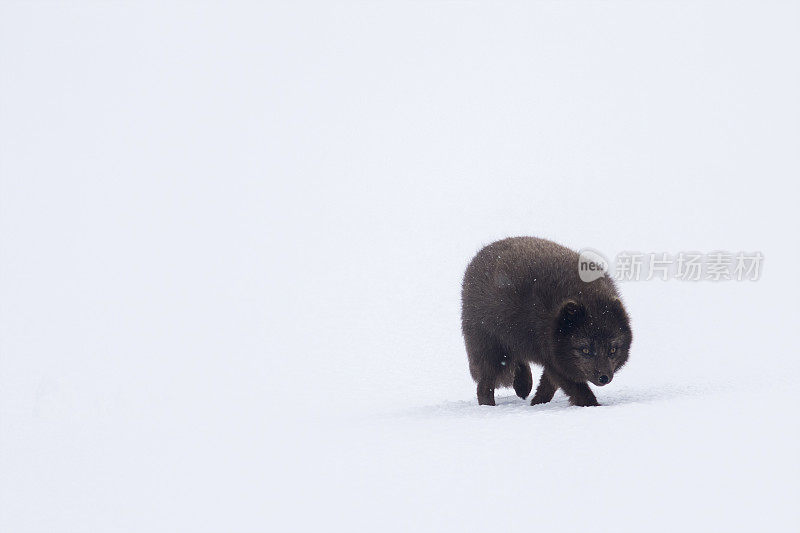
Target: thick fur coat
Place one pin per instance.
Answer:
(523, 302)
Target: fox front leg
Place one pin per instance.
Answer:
(545, 391)
(579, 393)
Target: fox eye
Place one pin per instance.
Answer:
(612, 351)
(586, 352)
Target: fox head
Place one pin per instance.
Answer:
(592, 339)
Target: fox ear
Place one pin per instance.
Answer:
(617, 308)
(570, 316)
(618, 311)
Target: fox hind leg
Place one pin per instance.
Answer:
(523, 380)
(487, 364)
(486, 392)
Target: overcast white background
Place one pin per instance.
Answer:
(232, 237)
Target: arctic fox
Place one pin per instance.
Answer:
(523, 302)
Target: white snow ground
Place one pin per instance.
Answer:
(232, 237)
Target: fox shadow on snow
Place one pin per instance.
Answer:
(624, 396)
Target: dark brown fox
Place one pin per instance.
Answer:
(524, 302)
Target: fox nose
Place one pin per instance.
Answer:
(603, 379)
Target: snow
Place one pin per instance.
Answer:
(232, 237)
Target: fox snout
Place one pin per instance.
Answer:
(604, 377)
